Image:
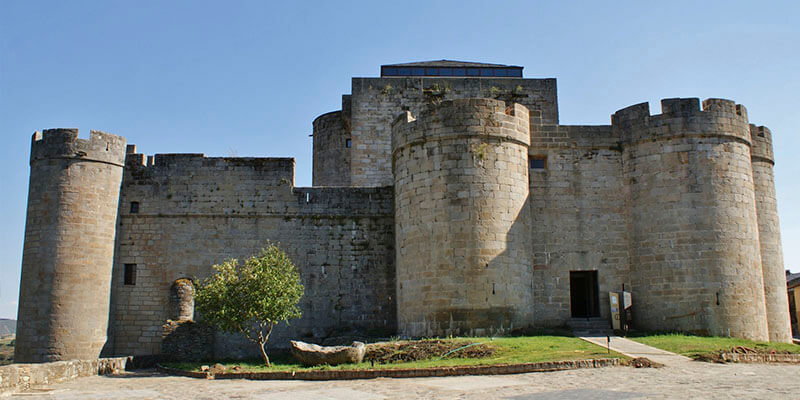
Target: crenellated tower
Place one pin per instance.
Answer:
(693, 228)
(461, 219)
(69, 245)
(775, 296)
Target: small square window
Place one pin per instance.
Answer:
(134, 207)
(539, 162)
(348, 143)
(130, 274)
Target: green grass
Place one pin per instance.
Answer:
(696, 346)
(508, 350)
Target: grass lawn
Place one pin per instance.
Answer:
(697, 346)
(507, 350)
(6, 350)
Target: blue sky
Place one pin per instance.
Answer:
(247, 78)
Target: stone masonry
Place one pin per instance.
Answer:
(447, 199)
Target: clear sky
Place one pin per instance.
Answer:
(247, 78)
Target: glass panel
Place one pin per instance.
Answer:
(404, 71)
(418, 71)
(445, 71)
(538, 163)
(473, 72)
(501, 72)
(432, 71)
(390, 71)
(514, 72)
(459, 72)
(487, 72)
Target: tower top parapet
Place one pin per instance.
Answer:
(64, 143)
(717, 117)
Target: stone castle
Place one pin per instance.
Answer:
(446, 199)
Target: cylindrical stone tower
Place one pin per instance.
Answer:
(69, 245)
(775, 296)
(462, 219)
(695, 253)
(331, 150)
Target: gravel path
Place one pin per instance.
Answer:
(694, 380)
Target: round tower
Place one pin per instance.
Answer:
(331, 150)
(69, 245)
(775, 296)
(695, 255)
(462, 219)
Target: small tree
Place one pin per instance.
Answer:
(252, 298)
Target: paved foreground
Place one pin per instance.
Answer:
(694, 380)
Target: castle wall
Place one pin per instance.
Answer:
(775, 294)
(578, 213)
(377, 101)
(461, 217)
(196, 211)
(69, 245)
(695, 254)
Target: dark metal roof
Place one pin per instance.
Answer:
(792, 280)
(450, 63)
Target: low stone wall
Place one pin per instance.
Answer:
(18, 377)
(760, 358)
(324, 375)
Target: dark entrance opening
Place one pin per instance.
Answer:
(583, 294)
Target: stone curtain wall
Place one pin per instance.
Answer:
(69, 245)
(196, 211)
(695, 256)
(775, 295)
(377, 101)
(578, 213)
(462, 233)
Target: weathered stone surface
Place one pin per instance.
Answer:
(19, 377)
(312, 354)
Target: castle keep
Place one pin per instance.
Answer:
(446, 199)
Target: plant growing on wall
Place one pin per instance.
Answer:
(251, 299)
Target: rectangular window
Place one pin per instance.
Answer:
(418, 71)
(130, 274)
(390, 71)
(134, 207)
(538, 162)
(347, 143)
(515, 72)
(459, 71)
(431, 71)
(501, 72)
(487, 72)
(445, 71)
(473, 72)
(404, 71)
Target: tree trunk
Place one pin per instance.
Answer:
(263, 352)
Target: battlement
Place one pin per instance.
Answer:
(682, 116)
(63, 143)
(761, 144)
(463, 117)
